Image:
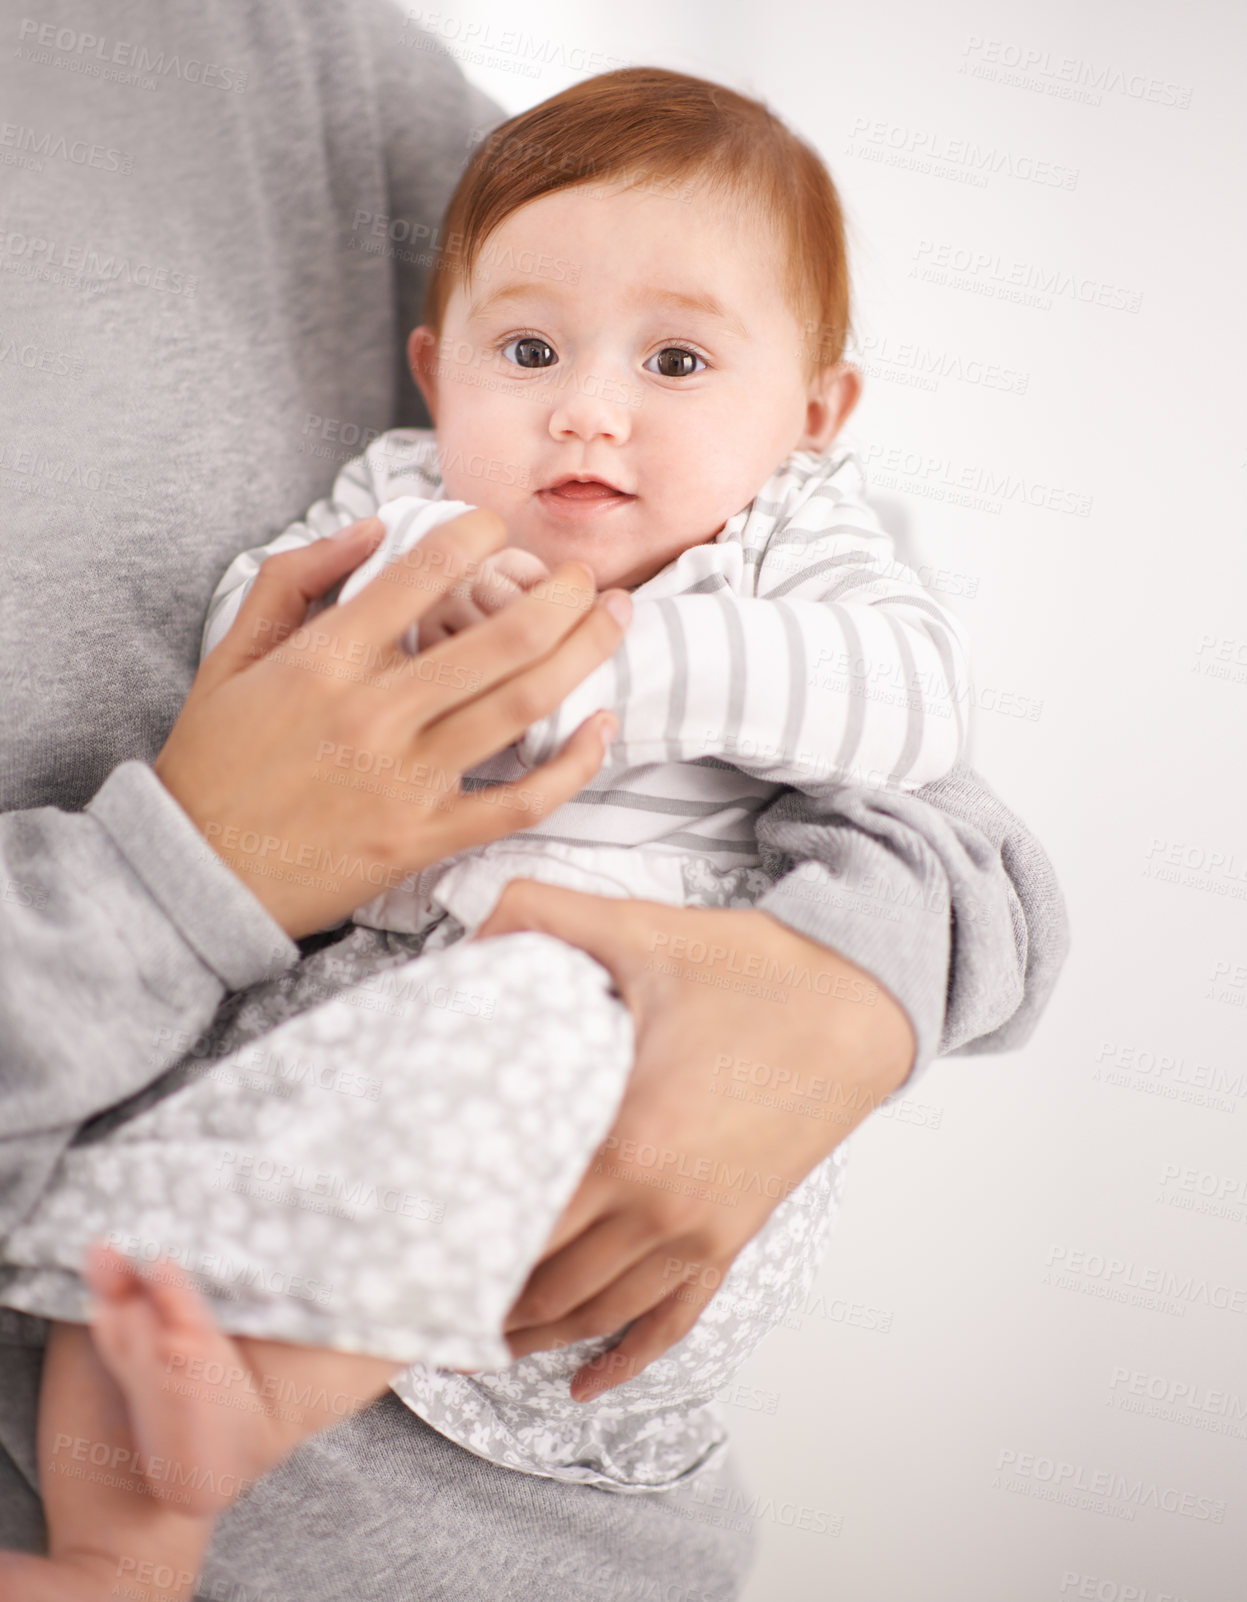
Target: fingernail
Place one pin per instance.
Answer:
(369, 524)
(619, 604)
(608, 728)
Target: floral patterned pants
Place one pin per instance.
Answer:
(370, 1154)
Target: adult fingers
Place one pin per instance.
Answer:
(406, 588)
(491, 813)
(574, 1277)
(285, 587)
(473, 724)
(450, 616)
(658, 1312)
(649, 1337)
(618, 934)
(519, 636)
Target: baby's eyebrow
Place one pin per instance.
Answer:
(708, 304)
(519, 290)
(646, 294)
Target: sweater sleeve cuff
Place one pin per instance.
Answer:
(902, 941)
(210, 907)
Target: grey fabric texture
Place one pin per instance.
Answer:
(437, 1524)
(214, 283)
(944, 896)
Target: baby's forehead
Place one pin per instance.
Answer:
(686, 204)
(705, 244)
(736, 199)
(740, 207)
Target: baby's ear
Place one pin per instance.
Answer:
(832, 396)
(422, 359)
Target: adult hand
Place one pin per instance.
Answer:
(322, 762)
(500, 579)
(722, 1001)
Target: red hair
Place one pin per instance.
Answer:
(644, 123)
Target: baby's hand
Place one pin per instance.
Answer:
(498, 580)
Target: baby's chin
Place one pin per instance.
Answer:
(612, 568)
(608, 574)
(618, 557)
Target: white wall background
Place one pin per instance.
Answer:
(1111, 637)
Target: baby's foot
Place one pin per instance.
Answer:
(201, 1430)
(24, 1578)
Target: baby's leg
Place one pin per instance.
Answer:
(377, 1175)
(137, 1458)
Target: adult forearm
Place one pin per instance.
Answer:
(119, 934)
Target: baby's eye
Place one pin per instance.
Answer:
(530, 351)
(675, 362)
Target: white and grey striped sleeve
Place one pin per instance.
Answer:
(358, 490)
(874, 681)
(804, 693)
(834, 666)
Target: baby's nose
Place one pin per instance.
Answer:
(592, 405)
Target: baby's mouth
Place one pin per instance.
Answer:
(576, 489)
(575, 494)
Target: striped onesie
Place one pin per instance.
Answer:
(792, 650)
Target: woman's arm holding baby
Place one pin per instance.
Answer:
(910, 926)
(121, 928)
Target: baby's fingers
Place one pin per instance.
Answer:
(505, 576)
(495, 812)
(452, 614)
(494, 591)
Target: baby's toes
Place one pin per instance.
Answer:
(24, 1578)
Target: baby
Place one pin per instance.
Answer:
(633, 354)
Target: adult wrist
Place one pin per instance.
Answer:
(208, 905)
(871, 1022)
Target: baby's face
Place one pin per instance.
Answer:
(619, 376)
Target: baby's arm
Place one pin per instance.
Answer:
(366, 487)
(353, 496)
(397, 463)
(839, 669)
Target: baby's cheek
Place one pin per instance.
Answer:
(732, 495)
(486, 481)
(476, 492)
